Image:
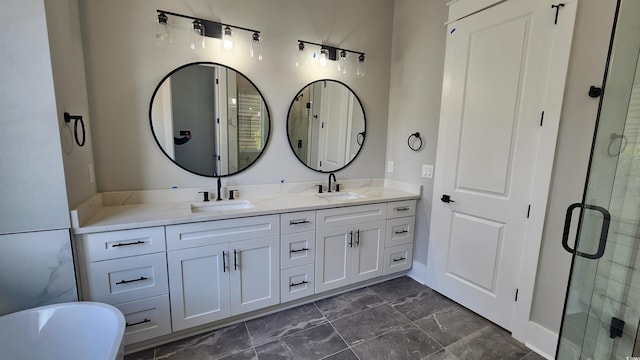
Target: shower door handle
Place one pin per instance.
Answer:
(604, 231)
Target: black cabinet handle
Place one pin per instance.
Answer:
(402, 209)
(138, 323)
(235, 259)
(128, 244)
(446, 198)
(402, 258)
(298, 222)
(351, 238)
(298, 284)
(358, 238)
(224, 262)
(142, 278)
(604, 231)
(299, 250)
(401, 232)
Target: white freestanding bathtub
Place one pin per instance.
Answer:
(69, 331)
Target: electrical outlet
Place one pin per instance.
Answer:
(427, 171)
(389, 166)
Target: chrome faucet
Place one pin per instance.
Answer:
(218, 198)
(332, 175)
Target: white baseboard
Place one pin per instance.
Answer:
(418, 273)
(541, 340)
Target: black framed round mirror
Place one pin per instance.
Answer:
(209, 119)
(326, 125)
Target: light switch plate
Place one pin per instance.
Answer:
(390, 166)
(427, 171)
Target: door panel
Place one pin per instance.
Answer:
(368, 249)
(199, 286)
(490, 117)
(255, 281)
(333, 258)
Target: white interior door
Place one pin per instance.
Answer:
(496, 75)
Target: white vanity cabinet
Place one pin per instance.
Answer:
(222, 268)
(128, 269)
(399, 239)
(297, 255)
(350, 243)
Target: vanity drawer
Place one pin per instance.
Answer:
(221, 231)
(400, 231)
(296, 283)
(350, 215)
(297, 249)
(118, 244)
(297, 222)
(397, 258)
(146, 319)
(398, 209)
(127, 279)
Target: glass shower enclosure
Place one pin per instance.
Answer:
(602, 307)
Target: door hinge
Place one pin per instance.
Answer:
(541, 118)
(217, 82)
(323, 124)
(528, 211)
(516, 299)
(218, 120)
(320, 163)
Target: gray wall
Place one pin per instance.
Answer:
(31, 171)
(414, 101)
(124, 64)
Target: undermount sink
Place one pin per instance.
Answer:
(223, 205)
(340, 196)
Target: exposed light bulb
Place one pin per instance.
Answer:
(361, 68)
(227, 39)
(197, 37)
(163, 28)
(343, 63)
(324, 56)
(301, 56)
(255, 50)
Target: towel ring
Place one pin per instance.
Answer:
(77, 119)
(411, 141)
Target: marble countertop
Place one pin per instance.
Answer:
(129, 210)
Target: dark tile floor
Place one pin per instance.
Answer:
(397, 319)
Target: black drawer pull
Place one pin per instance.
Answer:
(138, 323)
(402, 258)
(298, 222)
(402, 209)
(142, 278)
(402, 232)
(224, 262)
(128, 244)
(298, 284)
(299, 250)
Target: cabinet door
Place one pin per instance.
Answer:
(333, 258)
(255, 274)
(199, 285)
(368, 250)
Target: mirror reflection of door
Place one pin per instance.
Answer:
(190, 88)
(209, 119)
(326, 125)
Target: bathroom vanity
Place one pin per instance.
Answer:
(176, 267)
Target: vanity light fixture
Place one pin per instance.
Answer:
(163, 28)
(255, 49)
(330, 53)
(203, 28)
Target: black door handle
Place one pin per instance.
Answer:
(446, 198)
(604, 231)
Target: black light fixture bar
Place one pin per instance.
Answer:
(333, 51)
(211, 28)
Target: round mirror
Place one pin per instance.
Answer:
(326, 125)
(209, 119)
